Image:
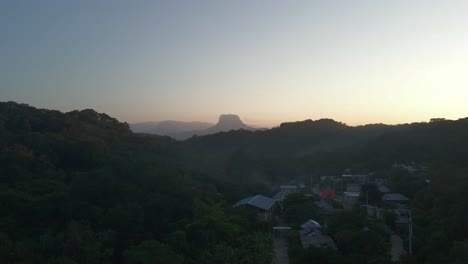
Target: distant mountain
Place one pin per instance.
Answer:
(174, 129)
(184, 130)
(226, 123)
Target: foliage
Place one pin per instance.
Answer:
(151, 252)
(370, 193)
(298, 208)
(80, 187)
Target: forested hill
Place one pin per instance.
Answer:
(298, 138)
(80, 187)
(300, 147)
(77, 140)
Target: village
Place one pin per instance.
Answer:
(322, 214)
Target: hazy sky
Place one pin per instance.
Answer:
(267, 61)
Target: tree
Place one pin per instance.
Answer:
(328, 193)
(370, 193)
(151, 252)
(298, 208)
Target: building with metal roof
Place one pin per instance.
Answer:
(318, 241)
(383, 189)
(311, 234)
(311, 224)
(281, 195)
(265, 205)
(258, 201)
(394, 197)
(351, 197)
(322, 204)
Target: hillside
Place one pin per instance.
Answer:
(80, 187)
(175, 129)
(184, 130)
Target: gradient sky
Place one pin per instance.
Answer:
(267, 61)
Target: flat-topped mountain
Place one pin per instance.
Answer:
(226, 123)
(184, 130)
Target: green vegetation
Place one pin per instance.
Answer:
(358, 241)
(297, 208)
(80, 187)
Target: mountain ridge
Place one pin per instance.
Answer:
(180, 130)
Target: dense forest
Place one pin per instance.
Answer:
(80, 187)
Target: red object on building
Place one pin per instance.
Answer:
(328, 193)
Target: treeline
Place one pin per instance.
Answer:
(303, 151)
(80, 187)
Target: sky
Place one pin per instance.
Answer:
(357, 62)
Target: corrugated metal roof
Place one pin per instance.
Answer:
(322, 204)
(311, 224)
(384, 189)
(353, 187)
(402, 220)
(352, 194)
(288, 187)
(281, 195)
(258, 201)
(317, 241)
(394, 197)
(310, 232)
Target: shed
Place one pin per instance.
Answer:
(265, 205)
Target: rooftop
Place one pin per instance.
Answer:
(317, 240)
(383, 189)
(323, 204)
(396, 197)
(279, 196)
(311, 224)
(288, 187)
(259, 201)
(352, 194)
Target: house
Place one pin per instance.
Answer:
(328, 207)
(265, 206)
(289, 188)
(351, 197)
(374, 212)
(285, 190)
(394, 198)
(329, 178)
(324, 205)
(280, 196)
(359, 178)
(311, 224)
(402, 214)
(383, 189)
(353, 187)
(411, 168)
(311, 239)
(312, 235)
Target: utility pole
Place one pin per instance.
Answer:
(341, 185)
(410, 232)
(367, 199)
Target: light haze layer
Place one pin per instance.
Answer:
(267, 61)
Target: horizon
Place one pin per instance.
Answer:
(255, 125)
(272, 62)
